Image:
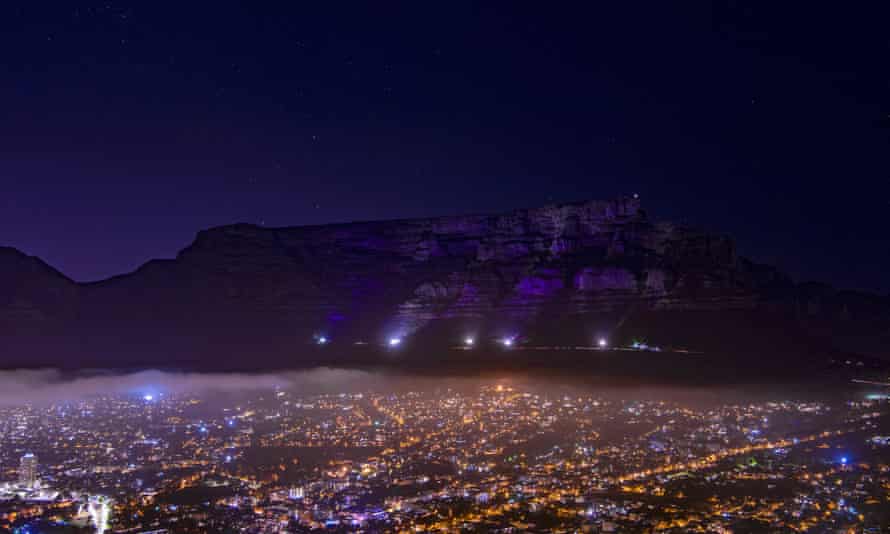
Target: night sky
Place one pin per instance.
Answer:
(127, 127)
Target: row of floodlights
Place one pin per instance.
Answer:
(468, 341)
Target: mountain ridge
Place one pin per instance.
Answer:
(564, 273)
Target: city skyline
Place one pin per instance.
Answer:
(479, 454)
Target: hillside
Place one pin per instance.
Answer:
(243, 296)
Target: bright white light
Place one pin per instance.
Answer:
(507, 341)
(469, 341)
(394, 341)
(99, 511)
(149, 398)
(322, 340)
(602, 342)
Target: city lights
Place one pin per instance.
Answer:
(725, 444)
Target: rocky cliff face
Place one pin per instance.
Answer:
(553, 274)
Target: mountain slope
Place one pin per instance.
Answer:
(243, 296)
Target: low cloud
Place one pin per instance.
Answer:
(41, 387)
(49, 385)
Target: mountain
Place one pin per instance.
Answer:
(245, 297)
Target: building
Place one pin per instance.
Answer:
(28, 471)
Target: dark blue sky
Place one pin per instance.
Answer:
(126, 127)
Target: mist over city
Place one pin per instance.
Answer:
(359, 451)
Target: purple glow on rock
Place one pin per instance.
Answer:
(610, 278)
(537, 286)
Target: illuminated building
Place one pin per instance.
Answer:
(28, 471)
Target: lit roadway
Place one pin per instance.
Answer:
(711, 460)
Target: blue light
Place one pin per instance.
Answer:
(148, 397)
(844, 460)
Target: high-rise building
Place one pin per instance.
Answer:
(28, 471)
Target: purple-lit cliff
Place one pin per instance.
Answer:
(244, 294)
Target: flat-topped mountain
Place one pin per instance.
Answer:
(244, 296)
